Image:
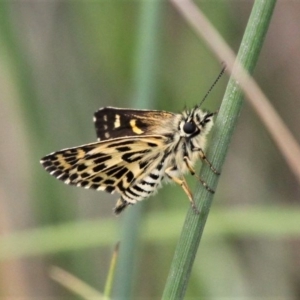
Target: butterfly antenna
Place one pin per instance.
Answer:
(213, 85)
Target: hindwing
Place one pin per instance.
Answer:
(112, 122)
(107, 165)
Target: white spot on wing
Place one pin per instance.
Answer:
(117, 121)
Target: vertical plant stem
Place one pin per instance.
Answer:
(194, 224)
(143, 97)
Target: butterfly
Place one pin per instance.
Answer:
(136, 151)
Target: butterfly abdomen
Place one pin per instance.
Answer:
(146, 186)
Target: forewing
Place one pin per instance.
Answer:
(112, 122)
(107, 165)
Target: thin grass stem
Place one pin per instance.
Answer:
(191, 234)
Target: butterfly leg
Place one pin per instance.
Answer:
(184, 186)
(192, 171)
(204, 158)
(120, 206)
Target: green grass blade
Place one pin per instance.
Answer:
(194, 224)
(276, 222)
(143, 97)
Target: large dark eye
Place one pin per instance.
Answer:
(189, 127)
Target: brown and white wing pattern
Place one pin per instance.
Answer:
(112, 122)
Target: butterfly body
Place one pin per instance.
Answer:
(137, 150)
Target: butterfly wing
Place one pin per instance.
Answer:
(112, 122)
(107, 165)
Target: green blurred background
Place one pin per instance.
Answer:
(61, 61)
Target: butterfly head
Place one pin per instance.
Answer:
(195, 122)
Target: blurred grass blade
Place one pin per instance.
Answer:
(194, 224)
(111, 272)
(75, 285)
(274, 222)
(143, 97)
